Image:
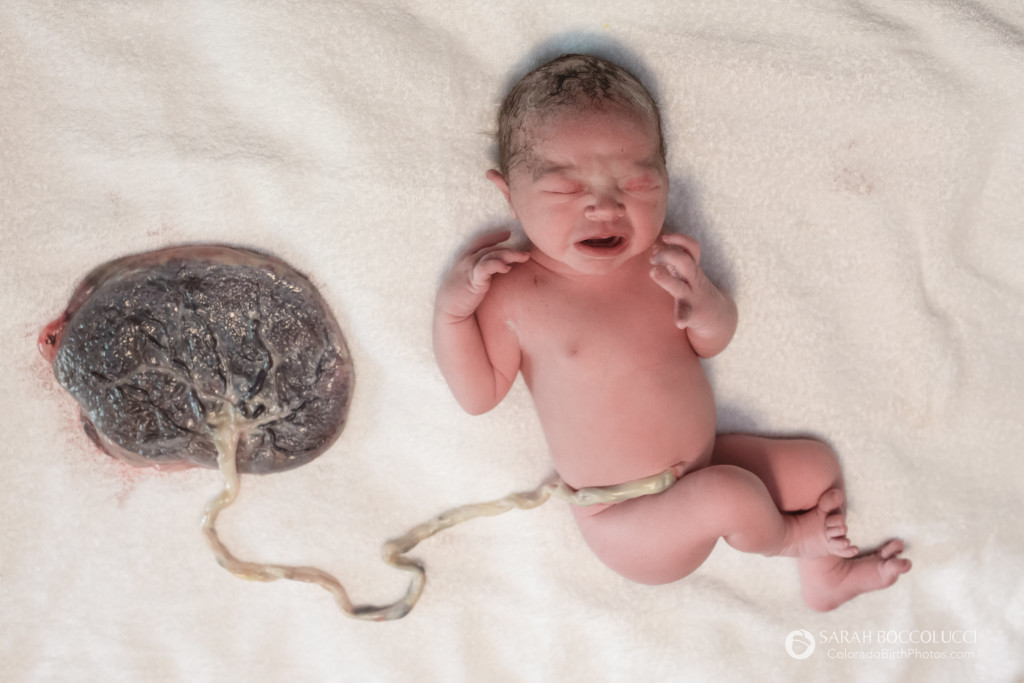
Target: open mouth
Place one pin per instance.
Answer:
(603, 242)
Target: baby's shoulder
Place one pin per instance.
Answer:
(509, 291)
(521, 279)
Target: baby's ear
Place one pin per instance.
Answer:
(499, 180)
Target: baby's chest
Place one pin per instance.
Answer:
(618, 330)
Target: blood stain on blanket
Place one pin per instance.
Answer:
(851, 174)
(853, 181)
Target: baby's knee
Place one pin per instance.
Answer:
(820, 460)
(732, 494)
(727, 481)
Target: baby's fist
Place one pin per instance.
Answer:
(676, 261)
(469, 280)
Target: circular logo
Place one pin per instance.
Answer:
(800, 644)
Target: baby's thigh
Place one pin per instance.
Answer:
(795, 471)
(664, 537)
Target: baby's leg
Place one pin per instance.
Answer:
(664, 537)
(797, 472)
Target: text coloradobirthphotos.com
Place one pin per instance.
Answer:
(882, 644)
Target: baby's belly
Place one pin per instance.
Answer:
(602, 432)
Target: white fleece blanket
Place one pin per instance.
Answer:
(852, 168)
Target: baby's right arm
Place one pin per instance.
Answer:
(479, 368)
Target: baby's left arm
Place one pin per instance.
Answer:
(706, 313)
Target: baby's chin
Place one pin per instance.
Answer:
(582, 264)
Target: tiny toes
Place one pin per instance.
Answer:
(831, 501)
(890, 569)
(891, 549)
(835, 520)
(840, 545)
(901, 564)
(836, 531)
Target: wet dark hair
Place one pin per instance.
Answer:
(572, 82)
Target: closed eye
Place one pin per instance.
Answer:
(640, 186)
(565, 189)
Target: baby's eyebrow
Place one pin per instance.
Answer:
(542, 169)
(651, 163)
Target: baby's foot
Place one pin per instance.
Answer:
(821, 531)
(830, 506)
(830, 581)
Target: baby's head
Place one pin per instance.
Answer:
(582, 164)
(568, 84)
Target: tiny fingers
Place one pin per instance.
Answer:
(678, 262)
(486, 267)
(512, 256)
(670, 281)
(496, 262)
(505, 256)
(685, 242)
(680, 291)
(683, 312)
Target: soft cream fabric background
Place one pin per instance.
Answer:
(853, 170)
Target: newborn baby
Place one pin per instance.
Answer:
(607, 317)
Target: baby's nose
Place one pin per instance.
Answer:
(604, 207)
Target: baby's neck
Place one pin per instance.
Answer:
(634, 267)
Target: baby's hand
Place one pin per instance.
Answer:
(707, 314)
(676, 260)
(469, 280)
